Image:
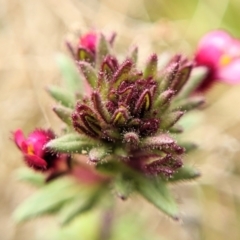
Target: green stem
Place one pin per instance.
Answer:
(106, 229)
(107, 223)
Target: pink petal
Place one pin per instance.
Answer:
(35, 161)
(233, 49)
(89, 41)
(38, 139)
(19, 138)
(40, 135)
(24, 147)
(231, 73)
(217, 39)
(208, 56)
(211, 47)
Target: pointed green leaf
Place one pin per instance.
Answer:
(30, 176)
(169, 74)
(134, 54)
(151, 67)
(72, 137)
(123, 186)
(155, 191)
(62, 96)
(170, 119)
(164, 99)
(185, 173)
(176, 129)
(48, 199)
(103, 49)
(89, 73)
(72, 142)
(69, 147)
(64, 114)
(182, 77)
(189, 104)
(84, 55)
(197, 76)
(71, 77)
(103, 86)
(188, 146)
(79, 206)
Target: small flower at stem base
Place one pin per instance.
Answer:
(36, 155)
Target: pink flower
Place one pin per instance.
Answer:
(89, 41)
(220, 53)
(34, 151)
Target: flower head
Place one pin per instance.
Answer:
(125, 125)
(88, 41)
(35, 153)
(88, 44)
(129, 111)
(220, 53)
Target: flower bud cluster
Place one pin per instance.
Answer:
(122, 119)
(129, 112)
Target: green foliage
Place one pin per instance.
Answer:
(64, 114)
(79, 205)
(185, 173)
(196, 77)
(71, 143)
(71, 77)
(151, 67)
(123, 126)
(133, 55)
(89, 73)
(129, 225)
(31, 177)
(155, 191)
(48, 199)
(123, 185)
(102, 50)
(62, 96)
(85, 226)
(188, 146)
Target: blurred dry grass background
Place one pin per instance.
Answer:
(32, 32)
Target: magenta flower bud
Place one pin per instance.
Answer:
(34, 151)
(220, 53)
(88, 41)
